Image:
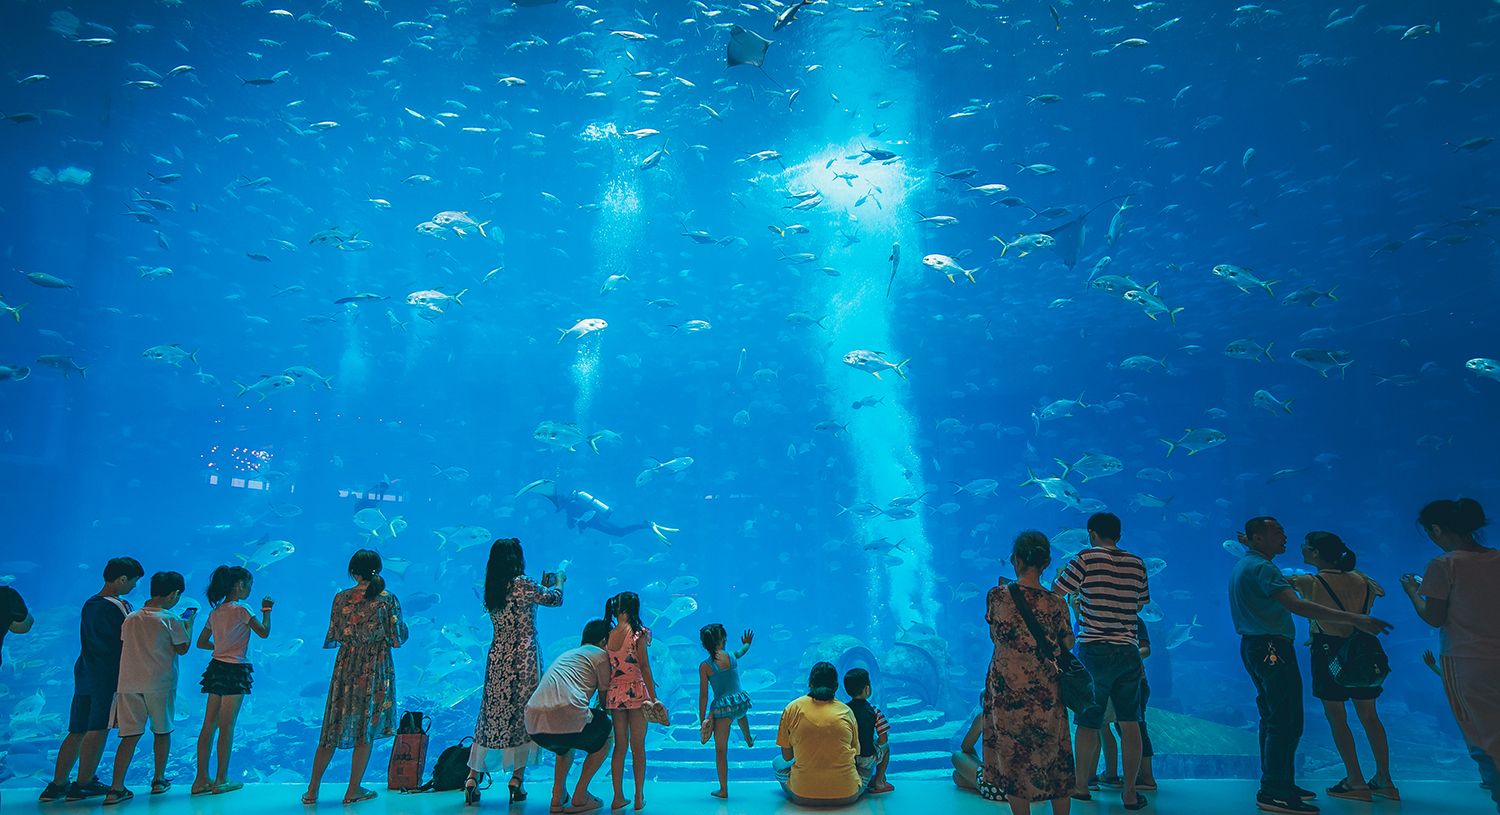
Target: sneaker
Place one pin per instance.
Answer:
(53, 792)
(1288, 806)
(1305, 794)
(78, 792)
(1344, 790)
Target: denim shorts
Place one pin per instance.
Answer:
(1117, 671)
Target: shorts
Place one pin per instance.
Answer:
(1324, 647)
(866, 765)
(132, 711)
(1117, 672)
(90, 712)
(227, 678)
(594, 736)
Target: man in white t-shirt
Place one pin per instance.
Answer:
(151, 640)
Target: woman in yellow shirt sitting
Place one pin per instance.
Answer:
(819, 741)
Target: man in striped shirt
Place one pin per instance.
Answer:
(1110, 584)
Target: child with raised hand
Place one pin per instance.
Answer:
(152, 638)
(227, 678)
(721, 671)
(874, 732)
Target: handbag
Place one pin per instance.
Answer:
(1074, 685)
(656, 712)
(1360, 661)
(408, 753)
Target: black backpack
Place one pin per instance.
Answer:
(1360, 662)
(451, 770)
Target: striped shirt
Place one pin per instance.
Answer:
(1111, 584)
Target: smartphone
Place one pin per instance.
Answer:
(549, 579)
(187, 613)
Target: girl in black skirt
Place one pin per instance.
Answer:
(227, 678)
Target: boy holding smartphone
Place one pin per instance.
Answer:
(151, 640)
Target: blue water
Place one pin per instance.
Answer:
(1328, 157)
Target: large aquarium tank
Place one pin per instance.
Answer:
(840, 296)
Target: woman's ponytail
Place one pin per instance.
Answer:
(365, 565)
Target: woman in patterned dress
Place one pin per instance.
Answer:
(365, 625)
(1028, 752)
(514, 669)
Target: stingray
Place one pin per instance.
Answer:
(1068, 237)
(746, 48)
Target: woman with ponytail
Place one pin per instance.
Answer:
(364, 626)
(819, 741)
(1337, 585)
(1460, 595)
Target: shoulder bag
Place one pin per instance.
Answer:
(1075, 687)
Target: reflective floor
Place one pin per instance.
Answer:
(915, 797)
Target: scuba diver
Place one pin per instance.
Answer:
(584, 511)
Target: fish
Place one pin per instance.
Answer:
(1196, 440)
(304, 372)
(47, 281)
(675, 611)
(874, 362)
(566, 436)
(171, 354)
(582, 327)
(266, 386)
(1249, 349)
(433, 300)
(63, 363)
(895, 259)
(13, 311)
(1242, 279)
(949, 267)
(14, 373)
(658, 467)
(1324, 360)
(1487, 368)
(267, 552)
(463, 537)
(1091, 466)
(1181, 634)
(1264, 400)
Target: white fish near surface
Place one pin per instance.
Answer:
(266, 386)
(675, 611)
(463, 537)
(874, 362)
(582, 327)
(459, 222)
(304, 372)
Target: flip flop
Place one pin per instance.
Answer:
(227, 786)
(591, 805)
(309, 799)
(364, 795)
(208, 790)
(160, 785)
(555, 808)
(1140, 803)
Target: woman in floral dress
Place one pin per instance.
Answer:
(514, 669)
(1028, 752)
(365, 625)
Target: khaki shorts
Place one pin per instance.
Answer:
(132, 711)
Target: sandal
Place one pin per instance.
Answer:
(1386, 791)
(160, 785)
(555, 808)
(309, 799)
(1349, 793)
(471, 792)
(364, 795)
(589, 805)
(1140, 803)
(117, 795)
(197, 790)
(227, 786)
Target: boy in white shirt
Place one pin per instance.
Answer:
(151, 640)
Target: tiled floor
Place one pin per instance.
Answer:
(915, 797)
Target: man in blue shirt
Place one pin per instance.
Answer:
(1262, 603)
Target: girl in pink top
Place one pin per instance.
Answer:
(227, 678)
